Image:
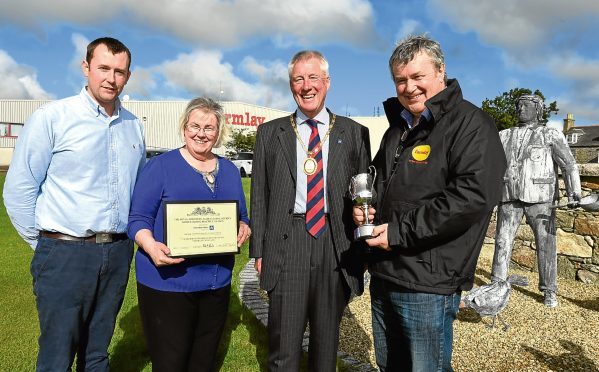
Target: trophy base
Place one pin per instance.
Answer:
(363, 232)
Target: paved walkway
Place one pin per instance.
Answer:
(249, 295)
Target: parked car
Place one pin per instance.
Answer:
(154, 151)
(243, 162)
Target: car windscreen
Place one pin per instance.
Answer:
(244, 156)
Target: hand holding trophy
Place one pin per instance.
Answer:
(361, 190)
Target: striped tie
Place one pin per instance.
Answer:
(315, 221)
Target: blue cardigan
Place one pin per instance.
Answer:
(169, 177)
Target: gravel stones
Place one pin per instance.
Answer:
(565, 338)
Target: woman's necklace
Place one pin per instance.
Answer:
(310, 164)
(209, 176)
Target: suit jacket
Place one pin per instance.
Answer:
(273, 195)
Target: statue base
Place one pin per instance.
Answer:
(363, 232)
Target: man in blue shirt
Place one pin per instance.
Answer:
(67, 193)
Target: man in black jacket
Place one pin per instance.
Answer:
(440, 166)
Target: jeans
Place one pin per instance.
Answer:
(412, 331)
(79, 289)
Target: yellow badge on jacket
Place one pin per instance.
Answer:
(421, 153)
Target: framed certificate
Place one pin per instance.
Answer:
(201, 228)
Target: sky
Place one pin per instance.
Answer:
(238, 50)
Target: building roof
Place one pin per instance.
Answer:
(583, 136)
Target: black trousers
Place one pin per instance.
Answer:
(183, 329)
(311, 288)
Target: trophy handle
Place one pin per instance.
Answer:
(371, 167)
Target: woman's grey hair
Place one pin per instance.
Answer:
(408, 48)
(305, 55)
(210, 106)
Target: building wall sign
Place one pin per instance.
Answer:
(245, 119)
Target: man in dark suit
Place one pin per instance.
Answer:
(301, 219)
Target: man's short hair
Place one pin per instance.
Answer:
(408, 48)
(112, 44)
(305, 55)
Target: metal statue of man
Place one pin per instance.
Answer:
(533, 152)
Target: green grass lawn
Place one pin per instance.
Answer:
(244, 345)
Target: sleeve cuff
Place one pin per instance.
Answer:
(393, 236)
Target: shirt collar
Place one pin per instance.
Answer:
(322, 117)
(408, 117)
(95, 106)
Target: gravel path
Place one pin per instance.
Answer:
(539, 338)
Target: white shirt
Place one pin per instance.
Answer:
(302, 179)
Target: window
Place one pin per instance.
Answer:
(572, 138)
(244, 156)
(10, 129)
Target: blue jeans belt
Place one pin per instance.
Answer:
(97, 238)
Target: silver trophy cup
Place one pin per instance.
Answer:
(361, 189)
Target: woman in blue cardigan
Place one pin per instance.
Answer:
(183, 302)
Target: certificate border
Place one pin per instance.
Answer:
(164, 229)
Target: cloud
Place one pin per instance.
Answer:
(141, 83)
(203, 72)
(274, 72)
(581, 77)
(556, 124)
(585, 112)
(19, 81)
(543, 36)
(582, 72)
(80, 43)
(213, 22)
(514, 24)
(74, 77)
(33, 13)
(408, 27)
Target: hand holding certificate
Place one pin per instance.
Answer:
(199, 228)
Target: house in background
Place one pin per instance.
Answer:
(583, 141)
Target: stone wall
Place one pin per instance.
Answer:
(585, 154)
(577, 242)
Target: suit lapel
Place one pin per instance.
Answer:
(336, 142)
(288, 139)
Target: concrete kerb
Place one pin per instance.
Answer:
(251, 298)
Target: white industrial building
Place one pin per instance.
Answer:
(160, 119)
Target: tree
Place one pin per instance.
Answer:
(241, 142)
(503, 108)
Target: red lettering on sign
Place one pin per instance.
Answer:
(245, 119)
